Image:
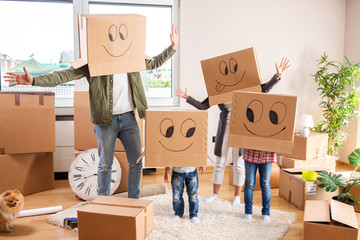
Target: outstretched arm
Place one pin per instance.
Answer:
(266, 87)
(19, 79)
(204, 105)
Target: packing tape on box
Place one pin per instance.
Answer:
(39, 211)
(310, 176)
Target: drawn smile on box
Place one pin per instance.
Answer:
(224, 70)
(276, 115)
(187, 130)
(113, 33)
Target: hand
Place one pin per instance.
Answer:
(174, 36)
(19, 79)
(202, 170)
(181, 93)
(166, 175)
(282, 67)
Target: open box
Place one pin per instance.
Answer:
(322, 222)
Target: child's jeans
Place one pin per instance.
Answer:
(192, 183)
(250, 173)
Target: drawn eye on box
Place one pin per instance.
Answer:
(117, 44)
(170, 133)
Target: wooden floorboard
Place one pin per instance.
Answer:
(37, 228)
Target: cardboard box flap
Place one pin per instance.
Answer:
(78, 63)
(300, 170)
(317, 211)
(109, 210)
(122, 202)
(343, 213)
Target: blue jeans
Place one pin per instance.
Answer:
(124, 126)
(192, 183)
(250, 174)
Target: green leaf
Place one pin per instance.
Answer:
(330, 182)
(354, 157)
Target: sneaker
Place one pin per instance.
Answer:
(236, 201)
(211, 198)
(195, 220)
(247, 218)
(265, 219)
(175, 218)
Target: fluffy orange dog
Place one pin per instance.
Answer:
(11, 202)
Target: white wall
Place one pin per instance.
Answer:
(298, 29)
(352, 51)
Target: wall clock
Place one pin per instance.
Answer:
(83, 175)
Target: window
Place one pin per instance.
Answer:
(40, 37)
(158, 83)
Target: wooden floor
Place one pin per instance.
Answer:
(37, 228)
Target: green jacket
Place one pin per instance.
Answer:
(101, 87)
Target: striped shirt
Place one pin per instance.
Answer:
(256, 156)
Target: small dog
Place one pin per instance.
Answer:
(11, 202)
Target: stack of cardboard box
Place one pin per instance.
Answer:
(85, 137)
(27, 141)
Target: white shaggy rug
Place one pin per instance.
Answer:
(219, 220)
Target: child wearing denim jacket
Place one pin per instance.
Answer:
(187, 176)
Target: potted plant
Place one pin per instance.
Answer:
(330, 182)
(340, 96)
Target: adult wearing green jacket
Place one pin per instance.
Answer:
(113, 99)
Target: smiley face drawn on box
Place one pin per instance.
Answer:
(175, 138)
(112, 43)
(229, 72)
(257, 118)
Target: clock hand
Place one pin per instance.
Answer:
(95, 174)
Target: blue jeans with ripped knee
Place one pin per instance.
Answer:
(191, 182)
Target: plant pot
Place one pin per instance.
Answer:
(347, 201)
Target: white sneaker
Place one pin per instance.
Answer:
(195, 220)
(247, 218)
(175, 218)
(236, 201)
(211, 198)
(265, 219)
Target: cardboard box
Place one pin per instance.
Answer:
(296, 190)
(111, 43)
(176, 138)
(262, 121)
(84, 135)
(229, 72)
(116, 218)
(29, 173)
(124, 164)
(27, 122)
(311, 147)
(324, 223)
(328, 162)
(274, 177)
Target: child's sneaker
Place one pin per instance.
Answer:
(175, 218)
(265, 219)
(195, 220)
(236, 201)
(247, 218)
(211, 198)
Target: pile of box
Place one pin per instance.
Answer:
(85, 137)
(27, 141)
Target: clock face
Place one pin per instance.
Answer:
(83, 175)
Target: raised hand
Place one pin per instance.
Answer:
(181, 93)
(282, 67)
(174, 36)
(19, 79)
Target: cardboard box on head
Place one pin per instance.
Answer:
(111, 43)
(175, 138)
(229, 72)
(262, 121)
